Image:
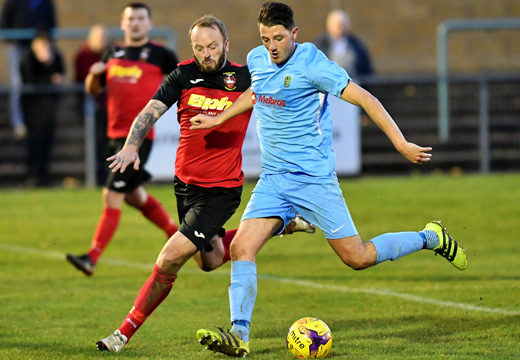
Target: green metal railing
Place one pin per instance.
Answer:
(443, 30)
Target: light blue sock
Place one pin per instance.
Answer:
(242, 296)
(431, 238)
(392, 246)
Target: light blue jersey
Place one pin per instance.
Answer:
(294, 126)
(293, 115)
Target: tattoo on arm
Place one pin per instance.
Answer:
(144, 122)
(159, 108)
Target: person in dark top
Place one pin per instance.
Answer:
(131, 74)
(343, 47)
(23, 14)
(41, 64)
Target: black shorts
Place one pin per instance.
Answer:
(129, 180)
(204, 211)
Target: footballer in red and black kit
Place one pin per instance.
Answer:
(133, 75)
(212, 157)
(208, 164)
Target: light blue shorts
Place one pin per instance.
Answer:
(318, 199)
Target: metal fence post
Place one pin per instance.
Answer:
(90, 141)
(442, 82)
(483, 97)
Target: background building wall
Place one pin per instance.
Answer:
(400, 34)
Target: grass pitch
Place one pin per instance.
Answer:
(419, 307)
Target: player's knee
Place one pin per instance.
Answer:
(202, 265)
(358, 262)
(210, 264)
(237, 251)
(170, 263)
(208, 267)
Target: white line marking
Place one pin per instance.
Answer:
(310, 284)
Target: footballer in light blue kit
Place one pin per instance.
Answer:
(291, 106)
(290, 83)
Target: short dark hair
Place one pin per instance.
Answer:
(276, 13)
(211, 22)
(139, 5)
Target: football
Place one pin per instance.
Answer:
(309, 338)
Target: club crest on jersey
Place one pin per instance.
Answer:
(230, 81)
(145, 53)
(287, 81)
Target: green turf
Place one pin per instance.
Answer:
(419, 307)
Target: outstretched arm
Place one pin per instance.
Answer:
(242, 104)
(356, 95)
(141, 126)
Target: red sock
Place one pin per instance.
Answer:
(105, 230)
(153, 292)
(154, 211)
(226, 241)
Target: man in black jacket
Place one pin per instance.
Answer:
(40, 65)
(344, 48)
(23, 14)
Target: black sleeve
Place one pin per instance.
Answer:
(25, 67)
(59, 65)
(170, 62)
(171, 89)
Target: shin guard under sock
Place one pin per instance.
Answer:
(151, 295)
(242, 296)
(105, 230)
(392, 246)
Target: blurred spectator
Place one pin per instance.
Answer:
(22, 14)
(41, 64)
(341, 46)
(97, 42)
(91, 51)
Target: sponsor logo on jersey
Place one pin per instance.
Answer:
(130, 74)
(206, 103)
(230, 81)
(267, 100)
(287, 81)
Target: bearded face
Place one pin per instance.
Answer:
(209, 48)
(209, 64)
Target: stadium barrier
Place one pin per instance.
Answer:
(443, 30)
(485, 135)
